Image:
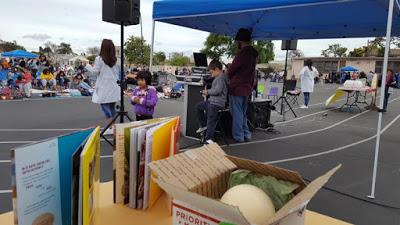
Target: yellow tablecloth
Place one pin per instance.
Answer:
(110, 213)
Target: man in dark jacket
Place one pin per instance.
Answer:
(241, 82)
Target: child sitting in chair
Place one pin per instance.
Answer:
(207, 111)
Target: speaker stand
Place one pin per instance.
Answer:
(283, 100)
(121, 113)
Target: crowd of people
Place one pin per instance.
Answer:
(21, 75)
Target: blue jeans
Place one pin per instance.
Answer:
(108, 109)
(207, 114)
(306, 98)
(238, 108)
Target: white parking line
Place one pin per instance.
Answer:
(5, 161)
(5, 191)
(335, 149)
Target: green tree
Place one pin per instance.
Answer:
(45, 50)
(50, 47)
(64, 48)
(137, 51)
(335, 50)
(159, 58)
(265, 51)
(178, 59)
(216, 46)
(359, 52)
(7, 46)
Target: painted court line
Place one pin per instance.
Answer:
(304, 133)
(299, 134)
(335, 149)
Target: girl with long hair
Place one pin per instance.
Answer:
(107, 91)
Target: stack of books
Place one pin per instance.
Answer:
(136, 145)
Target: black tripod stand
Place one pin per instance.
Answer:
(283, 98)
(121, 113)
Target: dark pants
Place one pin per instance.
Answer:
(238, 107)
(207, 114)
(306, 98)
(143, 117)
(386, 99)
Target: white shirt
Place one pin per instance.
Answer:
(106, 89)
(307, 78)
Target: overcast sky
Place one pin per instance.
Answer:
(78, 22)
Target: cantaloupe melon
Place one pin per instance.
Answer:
(255, 205)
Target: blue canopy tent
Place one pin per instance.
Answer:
(19, 54)
(287, 20)
(348, 69)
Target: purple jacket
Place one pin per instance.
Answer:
(148, 101)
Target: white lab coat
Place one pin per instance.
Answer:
(106, 89)
(307, 79)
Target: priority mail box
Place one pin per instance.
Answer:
(197, 179)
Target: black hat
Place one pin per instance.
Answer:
(243, 35)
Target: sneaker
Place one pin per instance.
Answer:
(201, 130)
(109, 131)
(303, 107)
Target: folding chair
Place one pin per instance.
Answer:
(273, 92)
(292, 92)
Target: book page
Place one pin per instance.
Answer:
(134, 158)
(38, 183)
(90, 170)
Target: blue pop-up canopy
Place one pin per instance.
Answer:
(289, 19)
(280, 20)
(19, 54)
(348, 69)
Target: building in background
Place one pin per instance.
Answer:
(327, 65)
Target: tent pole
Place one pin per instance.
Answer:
(383, 87)
(152, 47)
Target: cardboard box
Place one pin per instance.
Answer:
(209, 168)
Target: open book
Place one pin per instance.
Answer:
(55, 181)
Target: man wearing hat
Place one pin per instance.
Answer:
(241, 82)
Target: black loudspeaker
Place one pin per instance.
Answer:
(259, 114)
(117, 11)
(289, 45)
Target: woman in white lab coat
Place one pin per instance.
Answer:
(307, 75)
(107, 91)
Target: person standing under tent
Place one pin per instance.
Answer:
(241, 76)
(107, 91)
(388, 89)
(307, 75)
